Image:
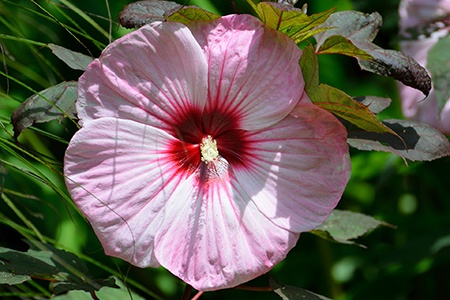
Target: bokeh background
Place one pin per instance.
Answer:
(411, 261)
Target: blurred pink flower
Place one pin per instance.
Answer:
(414, 13)
(200, 151)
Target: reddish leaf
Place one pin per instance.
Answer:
(341, 45)
(335, 100)
(374, 104)
(361, 29)
(290, 20)
(190, 14)
(139, 13)
(344, 226)
(419, 141)
(53, 103)
(75, 60)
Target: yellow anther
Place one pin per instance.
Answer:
(208, 149)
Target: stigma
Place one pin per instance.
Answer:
(208, 149)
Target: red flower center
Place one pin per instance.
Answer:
(223, 128)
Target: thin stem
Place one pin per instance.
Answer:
(197, 296)
(334, 289)
(94, 296)
(233, 4)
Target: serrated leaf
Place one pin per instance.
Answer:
(11, 279)
(344, 226)
(335, 100)
(290, 20)
(439, 65)
(252, 3)
(287, 292)
(309, 64)
(43, 261)
(139, 13)
(352, 25)
(190, 14)
(343, 106)
(64, 286)
(337, 44)
(75, 295)
(420, 142)
(280, 16)
(106, 292)
(373, 103)
(53, 103)
(361, 29)
(75, 60)
(396, 65)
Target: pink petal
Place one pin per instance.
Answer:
(418, 12)
(149, 75)
(238, 225)
(299, 168)
(253, 70)
(146, 211)
(414, 104)
(214, 237)
(119, 175)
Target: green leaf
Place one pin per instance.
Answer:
(76, 295)
(106, 292)
(65, 286)
(439, 66)
(361, 29)
(309, 64)
(337, 44)
(287, 292)
(139, 13)
(419, 141)
(290, 20)
(190, 14)
(335, 100)
(45, 262)
(343, 226)
(53, 103)
(252, 3)
(75, 60)
(345, 107)
(9, 278)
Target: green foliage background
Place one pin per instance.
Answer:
(409, 262)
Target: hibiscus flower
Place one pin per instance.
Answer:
(200, 151)
(415, 14)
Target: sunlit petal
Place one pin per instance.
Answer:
(253, 70)
(213, 236)
(298, 169)
(203, 155)
(151, 76)
(120, 176)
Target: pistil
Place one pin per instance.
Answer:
(208, 149)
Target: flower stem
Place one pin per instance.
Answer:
(94, 296)
(197, 296)
(334, 288)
